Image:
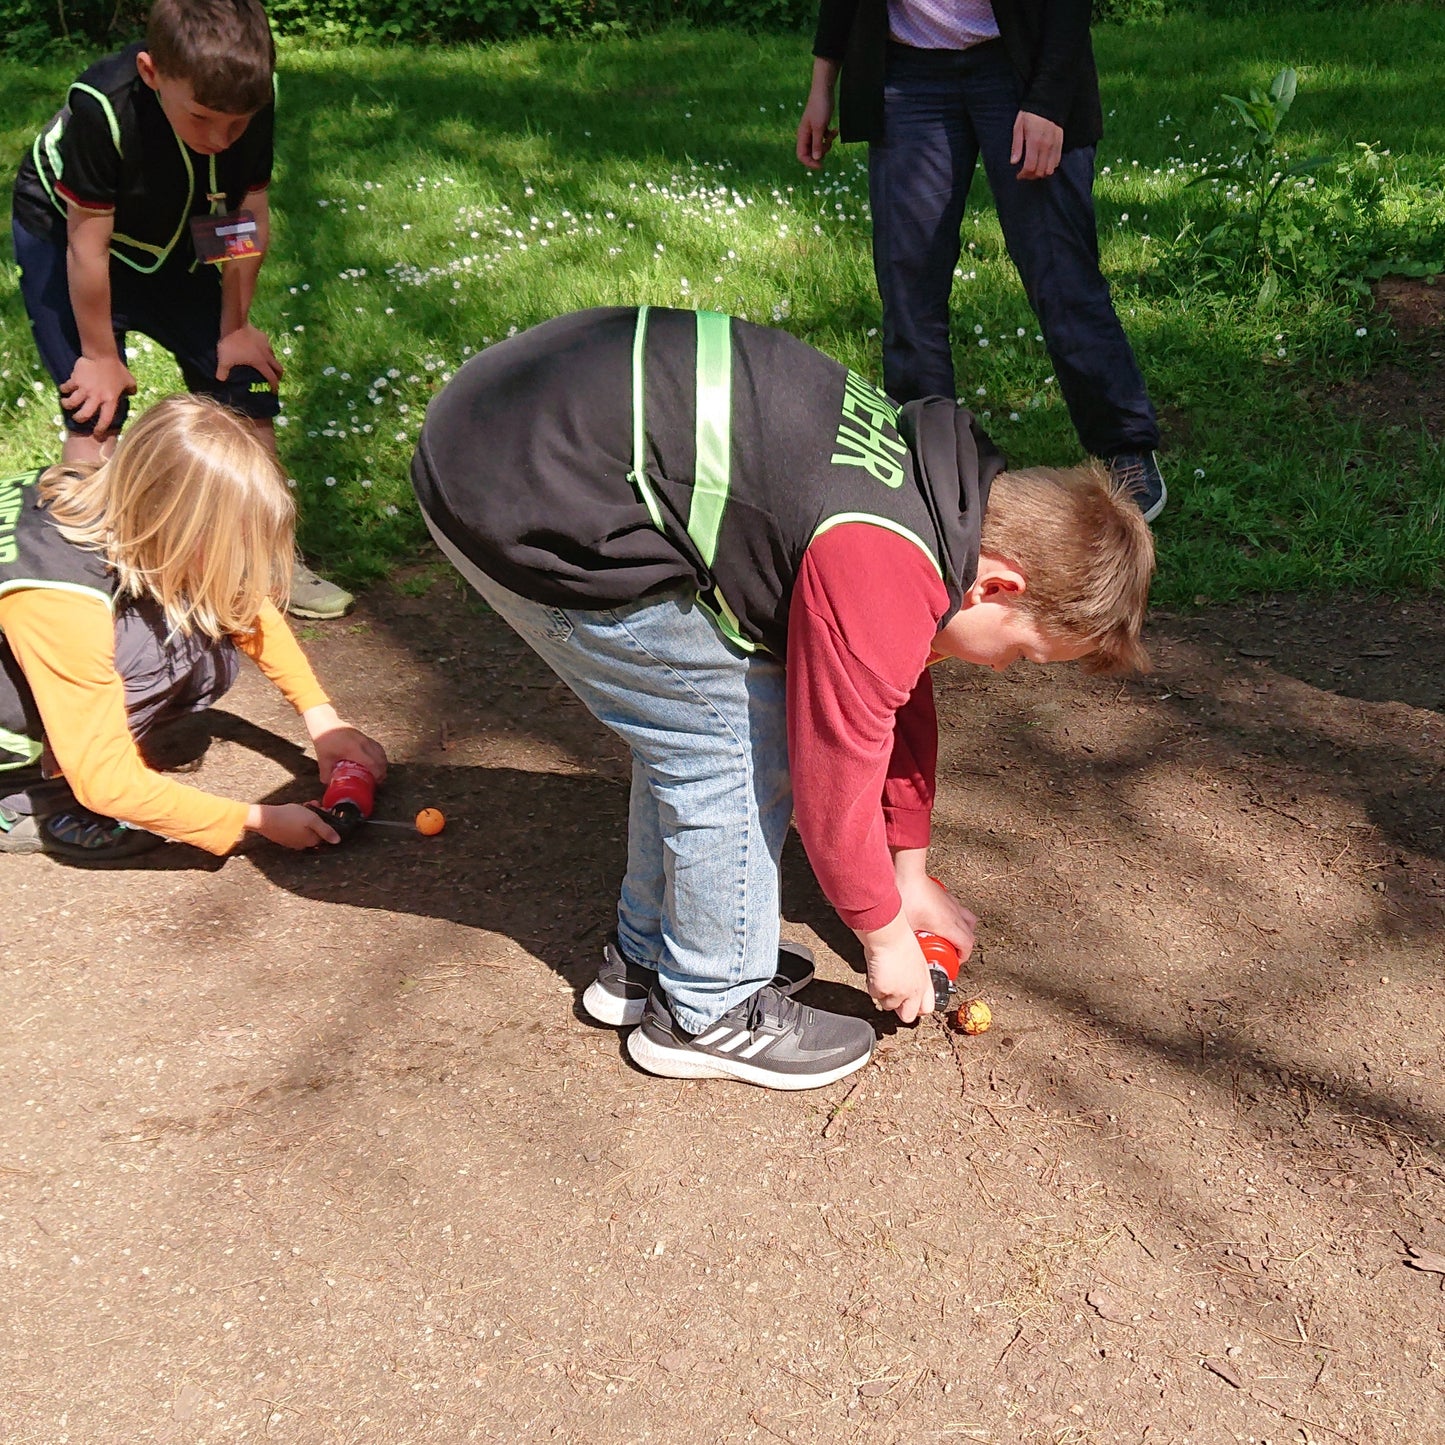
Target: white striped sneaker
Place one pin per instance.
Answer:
(768, 1039)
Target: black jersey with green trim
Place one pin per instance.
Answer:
(610, 455)
(33, 553)
(111, 148)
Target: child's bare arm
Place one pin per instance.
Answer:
(928, 905)
(240, 343)
(100, 377)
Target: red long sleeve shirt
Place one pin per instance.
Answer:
(862, 730)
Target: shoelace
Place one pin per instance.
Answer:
(768, 1007)
(1130, 474)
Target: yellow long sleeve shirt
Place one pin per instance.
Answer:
(64, 643)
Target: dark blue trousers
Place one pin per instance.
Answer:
(943, 111)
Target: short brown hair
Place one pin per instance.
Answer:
(223, 47)
(1086, 552)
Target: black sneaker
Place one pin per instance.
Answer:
(768, 1039)
(618, 996)
(1139, 475)
(86, 837)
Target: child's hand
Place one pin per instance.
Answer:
(931, 908)
(292, 825)
(336, 740)
(247, 346)
(94, 391)
(898, 975)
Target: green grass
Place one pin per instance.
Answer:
(430, 201)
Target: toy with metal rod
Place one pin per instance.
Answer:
(350, 797)
(942, 959)
(943, 964)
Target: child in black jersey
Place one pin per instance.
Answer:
(142, 206)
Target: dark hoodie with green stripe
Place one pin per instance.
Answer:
(538, 464)
(614, 455)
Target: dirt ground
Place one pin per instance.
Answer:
(320, 1148)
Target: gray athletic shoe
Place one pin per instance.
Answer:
(768, 1039)
(314, 597)
(618, 996)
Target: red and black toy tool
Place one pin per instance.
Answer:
(349, 798)
(943, 965)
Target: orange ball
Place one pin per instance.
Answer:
(430, 821)
(973, 1017)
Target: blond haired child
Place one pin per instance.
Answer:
(741, 557)
(126, 591)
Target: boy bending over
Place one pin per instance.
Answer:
(742, 557)
(142, 206)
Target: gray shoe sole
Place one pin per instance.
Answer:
(326, 612)
(608, 1008)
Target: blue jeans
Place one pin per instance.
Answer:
(711, 793)
(943, 111)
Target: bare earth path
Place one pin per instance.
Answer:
(317, 1149)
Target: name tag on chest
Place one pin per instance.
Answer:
(232, 237)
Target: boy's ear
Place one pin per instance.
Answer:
(146, 69)
(998, 580)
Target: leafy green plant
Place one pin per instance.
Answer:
(1254, 177)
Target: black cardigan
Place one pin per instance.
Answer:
(1047, 41)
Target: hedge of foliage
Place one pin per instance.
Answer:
(35, 27)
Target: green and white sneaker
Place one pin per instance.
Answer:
(769, 1039)
(315, 598)
(618, 996)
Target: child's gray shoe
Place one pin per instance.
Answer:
(769, 1039)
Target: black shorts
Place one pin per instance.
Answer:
(177, 307)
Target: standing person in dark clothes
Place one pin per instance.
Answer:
(934, 86)
(741, 557)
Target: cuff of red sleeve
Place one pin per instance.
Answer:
(907, 827)
(880, 915)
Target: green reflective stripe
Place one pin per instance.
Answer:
(161, 253)
(887, 526)
(110, 115)
(716, 607)
(50, 140)
(27, 750)
(712, 468)
(638, 475)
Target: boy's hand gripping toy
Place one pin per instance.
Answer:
(350, 796)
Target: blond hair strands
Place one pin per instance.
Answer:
(192, 510)
(1087, 554)
(223, 47)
